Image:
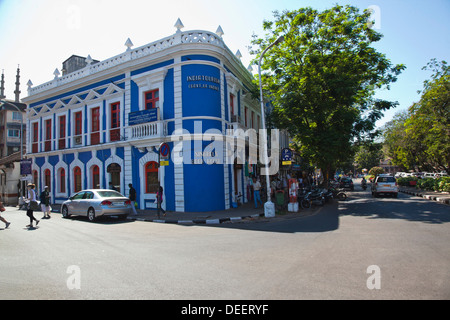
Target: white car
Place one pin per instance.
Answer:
(385, 184)
(94, 203)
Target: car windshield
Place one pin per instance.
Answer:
(386, 179)
(109, 194)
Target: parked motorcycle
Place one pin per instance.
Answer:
(338, 193)
(315, 197)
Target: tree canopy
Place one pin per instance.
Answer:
(322, 79)
(420, 137)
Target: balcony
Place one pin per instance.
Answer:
(147, 130)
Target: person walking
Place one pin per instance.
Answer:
(2, 208)
(256, 195)
(159, 200)
(132, 197)
(45, 203)
(31, 197)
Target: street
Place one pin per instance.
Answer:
(363, 248)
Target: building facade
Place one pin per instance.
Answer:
(101, 126)
(12, 131)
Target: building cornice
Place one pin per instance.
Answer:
(133, 59)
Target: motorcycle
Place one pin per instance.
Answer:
(315, 197)
(338, 193)
(364, 185)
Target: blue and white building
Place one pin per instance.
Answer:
(101, 123)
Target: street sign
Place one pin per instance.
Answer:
(164, 150)
(25, 166)
(286, 157)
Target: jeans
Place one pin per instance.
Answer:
(257, 198)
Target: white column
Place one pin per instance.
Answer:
(178, 114)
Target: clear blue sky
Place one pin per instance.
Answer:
(40, 35)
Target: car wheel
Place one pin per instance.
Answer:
(91, 214)
(395, 195)
(65, 212)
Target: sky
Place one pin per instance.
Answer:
(39, 35)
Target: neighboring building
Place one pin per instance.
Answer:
(104, 122)
(12, 114)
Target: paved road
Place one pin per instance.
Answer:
(322, 256)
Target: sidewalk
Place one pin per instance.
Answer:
(442, 197)
(245, 211)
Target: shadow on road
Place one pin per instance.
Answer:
(404, 207)
(321, 219)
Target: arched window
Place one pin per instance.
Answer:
(151, 177)
(77, 179)
(95, 177)
(62, 180)
(36, 179)
(47, 179)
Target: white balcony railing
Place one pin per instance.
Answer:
(147, 130)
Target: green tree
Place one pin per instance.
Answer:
(420, 137)
(375, 171)
(322, 79)
(368, 155)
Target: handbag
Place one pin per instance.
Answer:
(34, 205)
(2, 208)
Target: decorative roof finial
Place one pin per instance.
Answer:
(128, 44)
(179, 25)
(89, 60)
(56, 73)
(219, 31)
(238, 54)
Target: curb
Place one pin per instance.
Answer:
(197, 221)
(427, 196)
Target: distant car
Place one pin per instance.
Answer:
(346, 183)
(95, 203)
(385, 184)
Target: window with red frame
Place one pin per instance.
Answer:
(232, 104)
(151, 177)
(34, 147)
(245, 116)
(253, 120)
(77, 179)
(151, 99)
(47, 179)
(95, 126)
(78, 123)
(95, 177)
(114, 133)
(48, 135)
(62, 180)
(62, 132)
